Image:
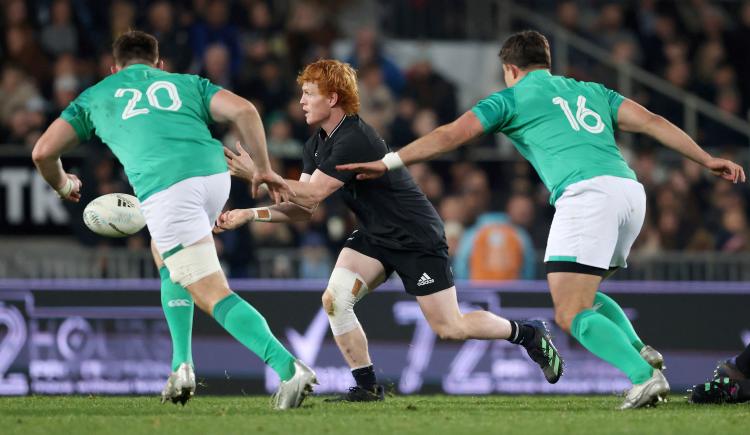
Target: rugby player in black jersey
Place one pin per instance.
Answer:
(399, 230)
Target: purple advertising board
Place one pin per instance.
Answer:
(110, 337)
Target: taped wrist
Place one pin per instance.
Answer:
(393, 161)
(67, 188)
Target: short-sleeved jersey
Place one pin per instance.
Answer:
(155, 122)
(563, 127)
(392, 210)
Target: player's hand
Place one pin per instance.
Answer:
(240, 164)
(365, 171)
(232, 219)
(70, 189)
(726, 169)
(278, 189)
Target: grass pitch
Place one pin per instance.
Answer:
(397, 415)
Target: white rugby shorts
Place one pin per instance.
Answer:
(596, 222)
(186, 211)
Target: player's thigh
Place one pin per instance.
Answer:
(633, 213)
(370, 269)
(440, 308)
(156, 255)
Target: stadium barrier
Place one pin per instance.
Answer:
(109, 337)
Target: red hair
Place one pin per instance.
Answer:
(334, 76)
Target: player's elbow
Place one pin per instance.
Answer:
(41, 152)
(245, 112)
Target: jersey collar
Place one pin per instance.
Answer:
(537, 73)
(137, 66)
(322, 132)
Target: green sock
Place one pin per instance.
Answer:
(178, 309)
(611, 310)
(604, 339)
(250, 328)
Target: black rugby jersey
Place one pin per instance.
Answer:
(392, 210)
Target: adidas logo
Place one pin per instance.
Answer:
(424, 280)
(174, 303)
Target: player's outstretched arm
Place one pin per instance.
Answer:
(58, 138)
(445, 138)
(310, 193)
(281, 213)
(632, 117)
(228, 107)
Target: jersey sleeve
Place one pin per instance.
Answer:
(352, 148)
(496, 111)
(614, 99)
(77, 115)
(207, 91)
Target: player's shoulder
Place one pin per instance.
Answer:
(595, 86)
(310, 143)
(357, 131)
(508, 94)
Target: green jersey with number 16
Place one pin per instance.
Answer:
(563, 127)
(155, 122)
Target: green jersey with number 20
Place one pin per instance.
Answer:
(155, 122)
(563, 127)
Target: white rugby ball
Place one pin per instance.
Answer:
(114, 215)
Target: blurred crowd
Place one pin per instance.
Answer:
(53, 49)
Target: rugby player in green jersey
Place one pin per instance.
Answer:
(156, 124)
(566, 130)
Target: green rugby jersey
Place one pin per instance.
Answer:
(563, 127)
(155, 122)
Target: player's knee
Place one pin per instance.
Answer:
(328, 304)
(345, 288)
(193, 263)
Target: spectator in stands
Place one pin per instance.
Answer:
(496, 248)
(216, 65)
(60, 35)
(281, 143)
(315, 261)
(377, 104)
(122, 19)
(271, 86)
(23, 50)
(431, 90)
(368, 50)
(429, 182)
(214, 28)
(16, 91)
(307, 29)
(737, 52)
(174, 41)
(400, 130)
